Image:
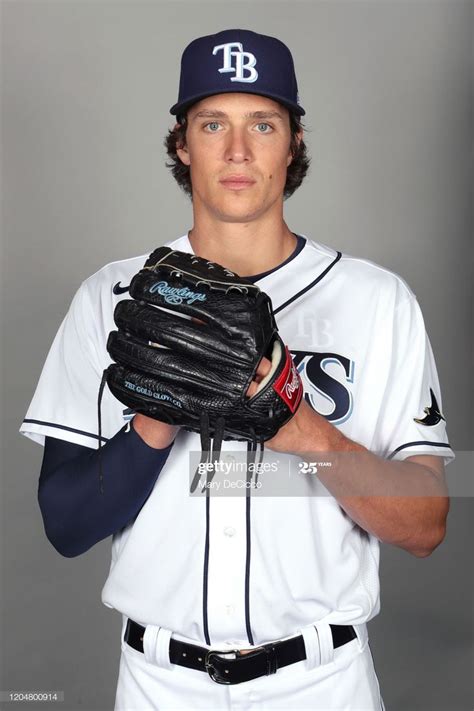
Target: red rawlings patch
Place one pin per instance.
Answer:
(288, 385)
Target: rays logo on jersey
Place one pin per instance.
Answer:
(175, 295)
(325, 378)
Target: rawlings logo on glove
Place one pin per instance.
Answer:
(176, 296)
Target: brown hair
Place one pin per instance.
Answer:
(295, 173)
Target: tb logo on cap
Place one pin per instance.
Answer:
(240, 66)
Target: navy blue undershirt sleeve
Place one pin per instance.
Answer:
(75, 514)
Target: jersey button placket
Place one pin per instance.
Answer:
(230, 532)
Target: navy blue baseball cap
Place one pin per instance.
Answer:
(237, 61)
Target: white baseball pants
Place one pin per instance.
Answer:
(329, 679)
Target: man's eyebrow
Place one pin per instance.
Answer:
(264, 115)
(250, 114)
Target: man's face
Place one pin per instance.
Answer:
(238, 150)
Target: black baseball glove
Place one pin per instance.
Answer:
(188, 345)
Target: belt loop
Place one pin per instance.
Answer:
(156, 646)
(362, 634)
(311, 645)
(271, 659)
(326, 647)
(124, 627)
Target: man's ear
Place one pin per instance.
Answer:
(182, 151)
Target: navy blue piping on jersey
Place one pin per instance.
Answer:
(310, 286)
(63, 427)
(248, 532)
(415, 444)
(300, 244)
(206, 574)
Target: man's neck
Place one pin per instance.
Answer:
(245, 248)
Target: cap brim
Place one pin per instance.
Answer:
(179, 108)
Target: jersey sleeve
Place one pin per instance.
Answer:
(64, 404)
(412, 420)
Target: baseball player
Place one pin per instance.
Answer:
(248, 602)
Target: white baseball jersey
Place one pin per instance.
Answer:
(249, 570)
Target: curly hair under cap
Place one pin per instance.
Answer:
(295, 173)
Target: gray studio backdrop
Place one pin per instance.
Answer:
(86, 88)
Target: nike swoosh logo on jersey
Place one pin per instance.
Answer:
(119, 289)
(432, 413)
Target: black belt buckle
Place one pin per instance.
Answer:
(243, 667)
(219, 673)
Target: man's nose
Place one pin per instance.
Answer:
(238, 148)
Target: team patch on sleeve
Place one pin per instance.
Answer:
(432, 413)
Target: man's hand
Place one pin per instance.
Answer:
(293, 437)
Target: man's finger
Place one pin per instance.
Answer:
(252, 389)
(263, 368)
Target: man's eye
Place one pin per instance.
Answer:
(212, 126)
(264, 128)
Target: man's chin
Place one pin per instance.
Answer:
(239, 219)
(240, 213)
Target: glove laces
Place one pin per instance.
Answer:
(214, 451)
(204, 430)
(208, 449)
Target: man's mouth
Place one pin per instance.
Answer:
(237, 182)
